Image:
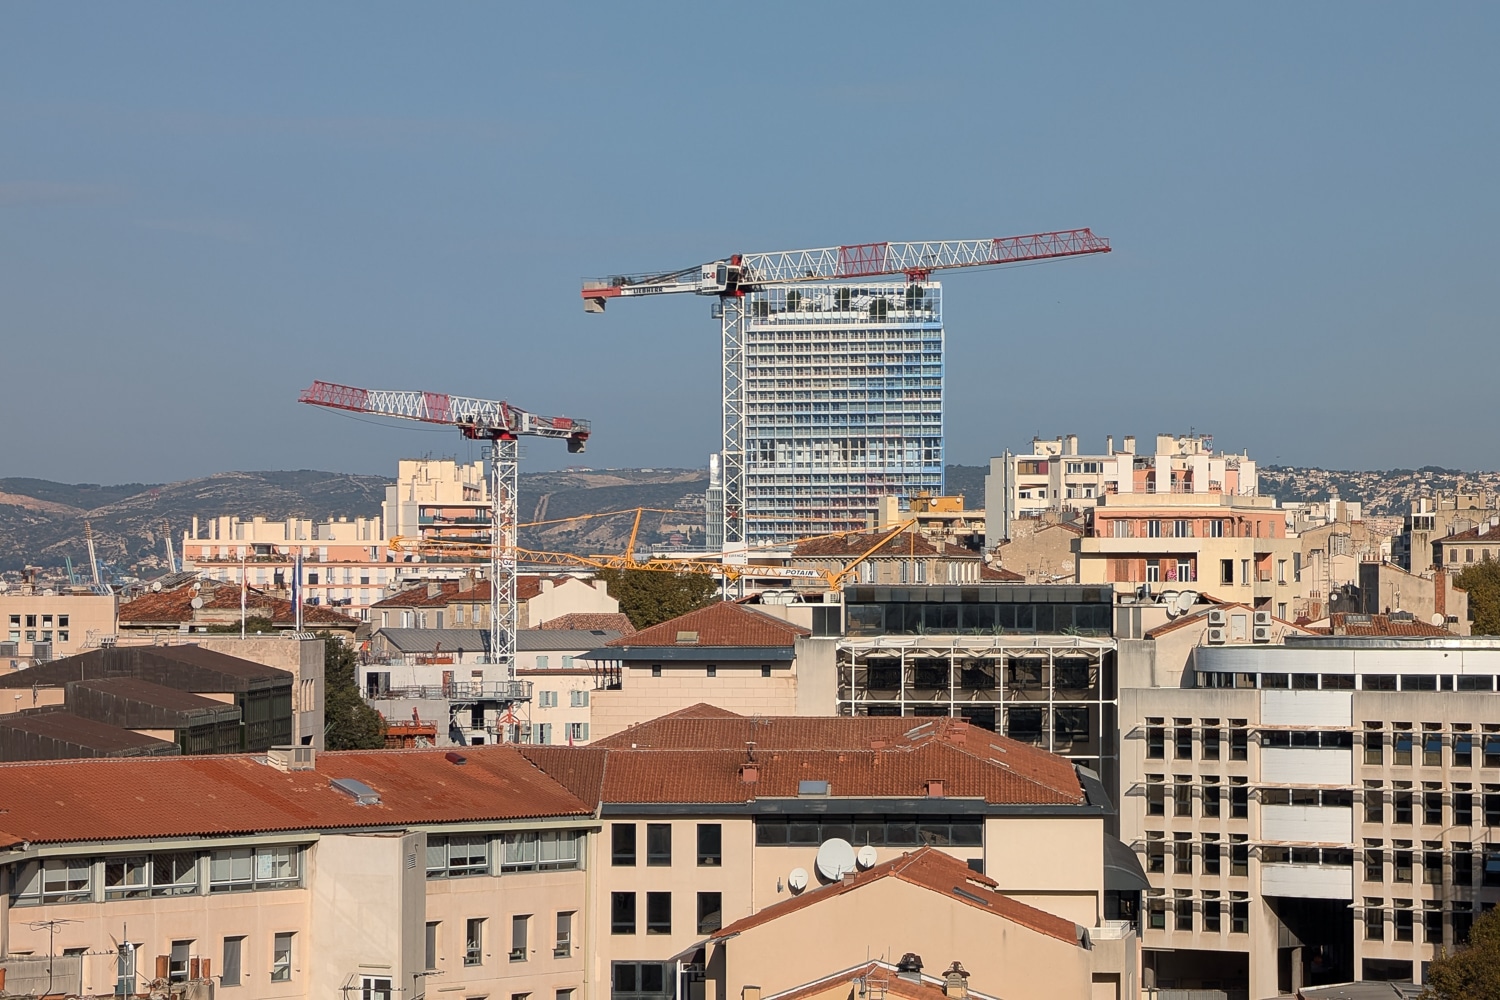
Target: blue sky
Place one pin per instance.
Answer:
(205, 207)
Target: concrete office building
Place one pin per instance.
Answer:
(840, 404)
(1311, 809)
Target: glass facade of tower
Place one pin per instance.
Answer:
(843, 400)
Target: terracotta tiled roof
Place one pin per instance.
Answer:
(721, 624)
(929, 869)
(60, 801)
(999, 574)
(1198, 618)
(1376, 625)
(695, 756)
(174, 607)
(447, 592)
(1482, 533)
(908, 543)
(870, 973)
(608, 621)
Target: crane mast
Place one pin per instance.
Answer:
(490, 420)
(732, 277)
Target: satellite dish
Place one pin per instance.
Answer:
(1438, 619)
(866, 857)
(156, 587)
(1185, 601)
(4, 586)
(796, 880)
(197, 603)
(835, 857)
(197, 587)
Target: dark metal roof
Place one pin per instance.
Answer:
(53, 735)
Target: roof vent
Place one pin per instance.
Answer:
(361, 793)
(910, 967)
(687, 638)
(819, 788)
(749, 773)
(292, 758)
(455, 758)
(956, 982)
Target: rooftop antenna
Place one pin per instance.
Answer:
(750, 751)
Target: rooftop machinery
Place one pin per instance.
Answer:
(731, 278)
(489, 420)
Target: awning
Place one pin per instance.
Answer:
(1122, 869)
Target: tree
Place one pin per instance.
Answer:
(254, 625)
(1472, 972)
(349, 723)
(1482, 581)
(649, 597)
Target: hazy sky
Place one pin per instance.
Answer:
(203, 207)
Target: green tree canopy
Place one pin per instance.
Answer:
(349, 723)
(1472, 972)
(648, 597)
(254, 625)
(1482, 581)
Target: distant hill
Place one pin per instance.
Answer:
(41, 521)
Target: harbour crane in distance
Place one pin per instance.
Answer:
(497, 422)
(731, 277)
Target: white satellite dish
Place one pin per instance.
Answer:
(197, 603)
(796, 880)
(866, 857)
(4, 586)
(1185, 601)
(835, 857)
(1438, 619)
(197, 587)
(156, 587)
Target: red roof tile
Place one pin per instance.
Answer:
(174, 607)
(999, 574)
(908, 543)
(1482, 533)
(587, 621)
(929, 869)
(721, 624)
(1378, 625)
(60, 801)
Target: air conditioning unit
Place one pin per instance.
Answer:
(1262, 633)
(41, 651)
(1263, 618)
(10, 649)
(1216, 636)
(1217, 616)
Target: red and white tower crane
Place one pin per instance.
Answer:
(733, 276)
(490, 420)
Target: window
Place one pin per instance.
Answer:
(1463, 749)
(1239, 799)
(1183, 906)
(656, 670)
(1239, 914)
(567, 662)
(1155, 795)
(1374, 920)
(1402, 870)
(765, 670)
(1432, 748)
(544, 850)
(1432, 865)
(544, 733)
(1374, 862)
(177, 961)
(1182, 795)
(1182, 740)
(1403, 920)
(1212, 920)
(1211, 796)
(710, 912)
(1374, 803)
(1156, 911)
(1491, 747)
(658, 913)
(622, 844)
(1156, 853)
(1156, 742)
(1211, 855)
(1463, 806)
(1463, 865)
(1153, 529)
(1182, 854)
(658, 845)
(281, 957)
(1401, 744)
(578, 731)
(455, 857)
(545, 699)
(711, 671)
(260, 868)
(1432, 808)
(1401, 803)
(519, 925)
(1239, 855)
(578, 699)
(474, 941)
(1239, 740)
(1211, 736)
(1226, 571)
(1374, 743)
(375, 988)
(430, 943)
(229, 969)
(622, 913)
(56, 880)
(563, 946)
(642, 980)
(710, 845)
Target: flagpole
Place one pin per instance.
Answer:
(244, 585)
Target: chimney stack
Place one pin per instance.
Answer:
(910, 967)
(956, 982)
(1129, 445)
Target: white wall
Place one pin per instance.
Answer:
(1308, 824)
(1307, 881)
(1306, 767)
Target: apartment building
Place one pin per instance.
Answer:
(42, 624)
(911, 557)
(1433, 518)
(557, 872)
(350, 562)
(465, 602)
(207, 606)
(1314, 811)
(1460, 550)
(1055, 477)
(1235, 547)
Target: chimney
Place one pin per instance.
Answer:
(956, 982)
(749, 773)
(466, 582)
(910, 967)
(1129, 446)
(934, 787)
(434, 588)
(750, 993)
(1109, 444)
(546, 584)
(1072, 444)
(1440, 593)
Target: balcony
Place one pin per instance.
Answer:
(497, 691)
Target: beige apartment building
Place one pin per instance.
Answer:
(1236, 548)
(465, 602)
(43, 625)
(556, 872)
(1313, 809)
(1431, 519)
